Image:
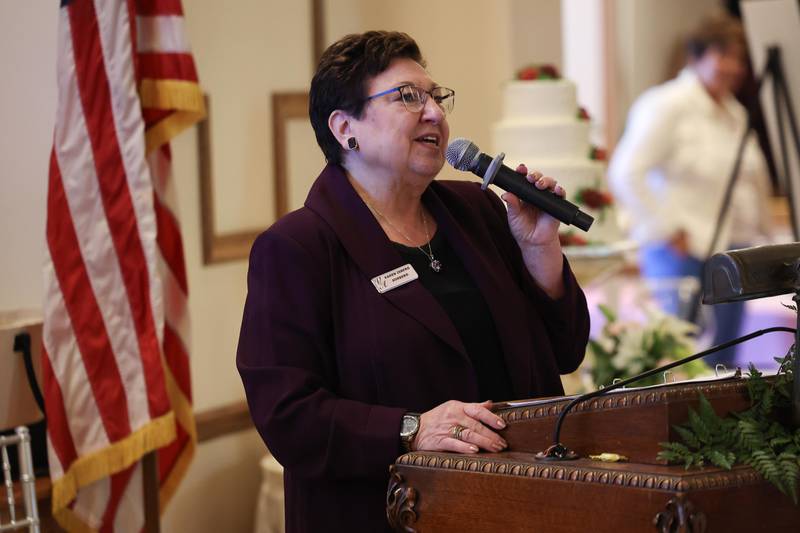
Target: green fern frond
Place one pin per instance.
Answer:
(688, 437)
(754, 437)
(790, 472)
(722, 459)
(699, 427)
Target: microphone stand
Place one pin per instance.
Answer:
(559, 452)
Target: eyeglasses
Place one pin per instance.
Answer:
(414, 98)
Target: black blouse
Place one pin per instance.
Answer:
(460, 298)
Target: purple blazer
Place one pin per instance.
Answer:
(329, 365)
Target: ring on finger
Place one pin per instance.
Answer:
(456, 431)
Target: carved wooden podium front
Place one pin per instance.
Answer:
(512, 491)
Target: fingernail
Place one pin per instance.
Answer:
(500, 423)
(473, 449)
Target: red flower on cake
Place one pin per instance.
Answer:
(583, 114)
(594, 198)
(538, 72)
(597, 154)
(549, 71)
(528, 73)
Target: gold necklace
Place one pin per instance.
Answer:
(435, 264)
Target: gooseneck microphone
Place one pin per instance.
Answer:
(463, 154)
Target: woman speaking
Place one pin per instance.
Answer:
(388, 312)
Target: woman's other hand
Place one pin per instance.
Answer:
(439, 428)
(529, 225)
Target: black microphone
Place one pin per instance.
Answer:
(463, 154)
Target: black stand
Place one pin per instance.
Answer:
(22, 344)
(38, 430)
(796, 365)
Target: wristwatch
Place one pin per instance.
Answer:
(408, 429)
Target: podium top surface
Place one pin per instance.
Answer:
(634, 475)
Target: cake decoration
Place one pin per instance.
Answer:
(538, 72)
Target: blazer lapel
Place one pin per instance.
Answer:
(335, 201)
(503, 297)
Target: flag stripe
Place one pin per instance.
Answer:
(170, 66)
(130, 513)
(171, 244)
(86, 428)
(177, 308)
(168, 455)
(117, 42)
(158, 7)
(97, 105)
(92, 339)
(91, 502)
(178, 361)
(119, 482)
(57, 426)
(81, 185)
(161, 34)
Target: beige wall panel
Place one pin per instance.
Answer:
(246, 50)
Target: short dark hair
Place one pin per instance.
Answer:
(717, 30)
(341, 78)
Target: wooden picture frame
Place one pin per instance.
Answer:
(221, 247)
(285, 107)
(236, 245)
(217, 248)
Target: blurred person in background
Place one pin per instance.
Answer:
(670, 170)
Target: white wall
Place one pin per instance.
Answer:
(27, 107)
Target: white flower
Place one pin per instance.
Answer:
(631, 346)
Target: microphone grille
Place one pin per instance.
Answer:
(462, 154)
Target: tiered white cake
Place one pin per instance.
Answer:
(541, 126)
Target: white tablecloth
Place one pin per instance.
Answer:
(269, 508)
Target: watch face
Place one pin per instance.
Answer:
(409, 426)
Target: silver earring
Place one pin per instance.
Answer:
(352, 143)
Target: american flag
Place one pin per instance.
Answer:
(116, 328)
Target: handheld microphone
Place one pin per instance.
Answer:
(463, 154)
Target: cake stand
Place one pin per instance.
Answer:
(594, 263)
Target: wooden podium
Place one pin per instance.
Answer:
(512, 491)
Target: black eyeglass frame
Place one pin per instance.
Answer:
(438, 99)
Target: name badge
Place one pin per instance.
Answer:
(395, 278)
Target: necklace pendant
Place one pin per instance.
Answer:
(436, 265)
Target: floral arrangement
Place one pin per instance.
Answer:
(538, 72)
(626, 348)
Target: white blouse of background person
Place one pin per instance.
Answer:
(671, 167)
